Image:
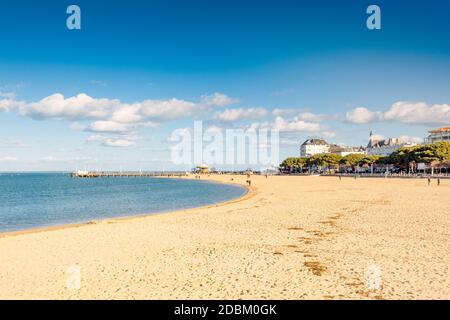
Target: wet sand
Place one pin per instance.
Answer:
(288, 238)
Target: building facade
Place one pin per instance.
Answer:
(314, 146)
(438, 135)
(385, 147)
(344, 151)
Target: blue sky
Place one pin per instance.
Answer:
(308, 68)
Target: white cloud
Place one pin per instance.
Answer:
(362, 115)
(418, 113)
(10, 104)
(295, 125)
(115, 141)
(218, 99)
(118, 143)
(78, 107)
(84, 107)
(240, 114)
(405, 112)
(8, 95)
(8, 159)
(411, 139)
(302, 115)
(108, 126)
(111, 116)
(168, 109)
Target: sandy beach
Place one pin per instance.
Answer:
(288, 238)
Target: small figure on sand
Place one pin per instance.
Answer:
(429, 180)
(439, 181)
(249, 182)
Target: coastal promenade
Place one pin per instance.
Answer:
(289, 237)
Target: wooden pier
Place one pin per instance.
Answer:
(103, 174)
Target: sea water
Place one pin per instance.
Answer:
(29, 200)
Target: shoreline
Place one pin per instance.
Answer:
(247, 192)
(287, 238)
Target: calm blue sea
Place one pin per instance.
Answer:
(29, 200)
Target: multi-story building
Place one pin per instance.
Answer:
(344, 151)
(314, 146)
(438, 135)
(385, 147)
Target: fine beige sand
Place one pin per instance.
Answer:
(288, 238)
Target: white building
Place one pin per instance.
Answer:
(314, 146)
(439, 135)
(385, 147)
(344, 151)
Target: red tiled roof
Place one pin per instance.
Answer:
(444, 129)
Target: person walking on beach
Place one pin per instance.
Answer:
(439, 181)
(429, 180)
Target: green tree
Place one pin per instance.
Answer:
(293, 164)
(327, 160)
(352, 160)
(431, 154)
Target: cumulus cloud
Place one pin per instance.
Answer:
(362, 115)
(78, 107)
(302, 115)
(404, 112)
(108, 126)
(112, 116)
(84, 107)
(419, 113)
(163, 110)
(9, 104)
(240, 114)
(218, 99)
(295, 125)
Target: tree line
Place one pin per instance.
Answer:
(436, 155)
